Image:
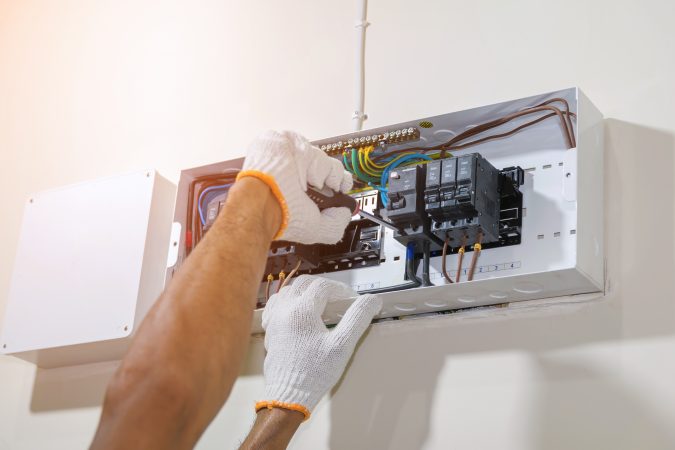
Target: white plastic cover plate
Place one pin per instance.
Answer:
(101, 226)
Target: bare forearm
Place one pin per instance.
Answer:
(273, 429)
(187, 353)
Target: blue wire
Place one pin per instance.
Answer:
(410, 251)
(388, 169)
(379, 188)
(201, 196)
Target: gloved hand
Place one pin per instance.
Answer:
(304, 358)
(288, 163)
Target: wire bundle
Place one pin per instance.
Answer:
(198, 189)
(565, 117)
(376, 174)
(375, 170)
(457, 143)
(200, 202)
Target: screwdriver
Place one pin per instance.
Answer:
(327, 198)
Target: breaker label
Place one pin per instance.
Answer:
(453, 274)
(366, 286)
(480, 269)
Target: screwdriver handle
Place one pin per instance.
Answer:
(327, 198)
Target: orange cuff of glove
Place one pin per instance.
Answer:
(275, 404)
(272, 184)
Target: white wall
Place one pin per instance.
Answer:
(91, 88)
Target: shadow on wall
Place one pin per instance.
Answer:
(385, 399)
(384, 402)
(581, 407)
(71, 387)
(84, 386)
(640, 226)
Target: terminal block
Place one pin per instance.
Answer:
(361, 246)
(284, 256)
(384, 137)
(368, 201)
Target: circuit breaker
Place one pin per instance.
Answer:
(463, 199)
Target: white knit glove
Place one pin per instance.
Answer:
(304, 358)
(288, 163)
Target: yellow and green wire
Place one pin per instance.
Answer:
(359, 162)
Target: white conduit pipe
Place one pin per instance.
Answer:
(359, 114)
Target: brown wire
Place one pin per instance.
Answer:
(502, 135)
(502, 120)
(460, 254)
(293, 272)
(481, 140)
(270, 278)
(568, 115)
(474, 257)
(282, 279)
(565, 117)
(443, 258)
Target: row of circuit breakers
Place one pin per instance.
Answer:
(460, 199)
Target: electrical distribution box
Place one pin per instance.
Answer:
(519, 181)
(524, 188)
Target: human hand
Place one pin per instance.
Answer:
(288, 164)
(304, 358)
